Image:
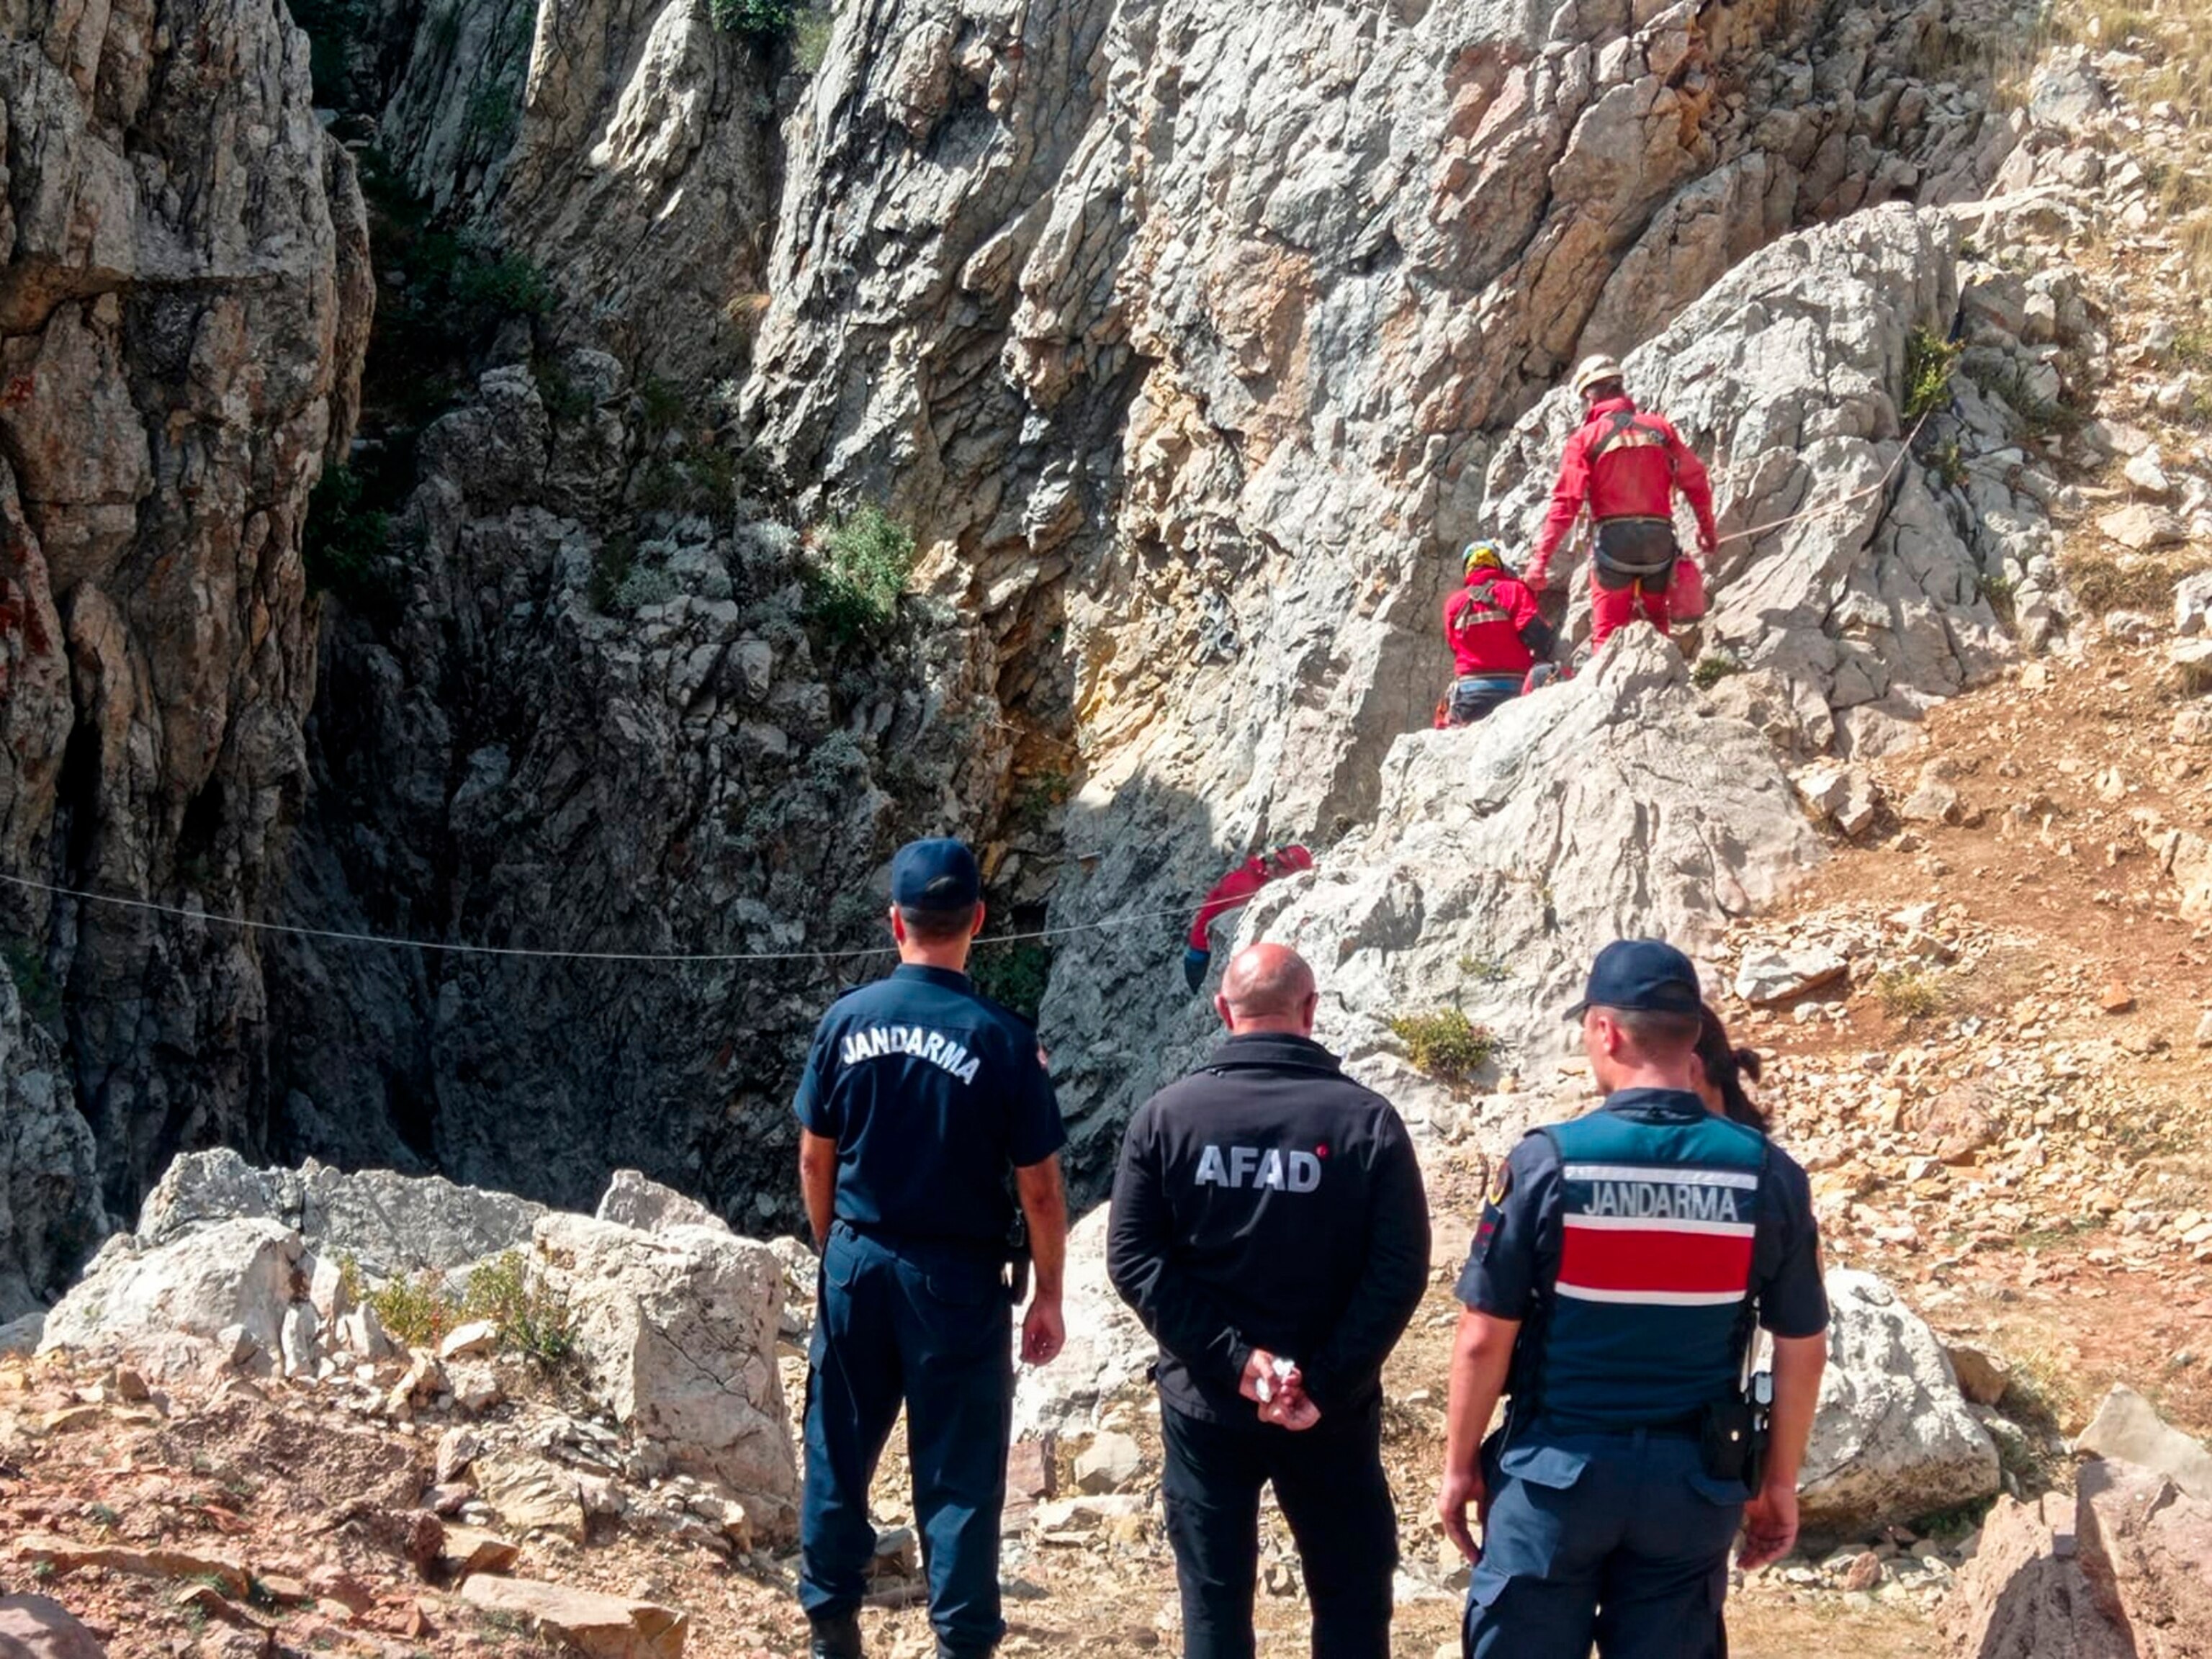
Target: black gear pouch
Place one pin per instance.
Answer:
(1725, 1440)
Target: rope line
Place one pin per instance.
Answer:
(1837, 505)
(347, 937)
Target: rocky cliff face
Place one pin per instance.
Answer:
(183, 310)
(1185, 338)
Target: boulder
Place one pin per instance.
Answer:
(1646, 813)
(391, 1224)
(1766, 979)
(1108, 1346)
(2128, 1429)
(2143, 529)
(1933, 799)
(2192, 597)
(2192, 664)
(22, 1335)
(632, 1200)
(1109, 1463)
(35, 1627)
(2147, 1553)
(1982, 1377)
(676, 1331)
(1846, 795)
(243, 1274)
(602, 1626)
(530, 1495)
(2024, 1596)
(1892, 1437)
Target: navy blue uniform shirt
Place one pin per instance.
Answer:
(930, 1091)
(1517, 1250)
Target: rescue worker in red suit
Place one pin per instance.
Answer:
(1625, 465)
(1232, 890)
(1495, 634)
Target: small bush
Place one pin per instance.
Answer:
(1714, 667)
(809, 39)
(1950, 462)
(2102, 584)
(1042, 794)
(1485, 970)
(1013, 974)
(610, 567)
(533, 1317)
(1928, 361)
(564, 400)
(865, 559)
(645, 585)
(415, 1310)
(343, 539)
(35, 985)
(763, 20)
(1445, 1043)
(1908, 995)
(1997, 590)
(490, 113)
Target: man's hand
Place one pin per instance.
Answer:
(1460, 1489)
(1770, 1525)
(1292, 1409)
(1537, 578)
(1265, 1380)
(1706, 545)
(1044, 1332)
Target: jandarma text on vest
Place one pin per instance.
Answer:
(934, 1047)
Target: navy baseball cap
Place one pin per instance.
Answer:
(936, 875)
(1648, 975)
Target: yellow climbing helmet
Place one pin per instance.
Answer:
(1481, 556)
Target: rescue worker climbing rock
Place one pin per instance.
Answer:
(918, 1096)
(1233, 891)
(1620, 1264)
(1270, 1228)
(1495, 634)
(1625, 465)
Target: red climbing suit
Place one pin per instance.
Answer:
(1483, 623)
(1237, 887)
(1624, 464)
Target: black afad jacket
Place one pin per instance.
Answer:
(1267, 1200)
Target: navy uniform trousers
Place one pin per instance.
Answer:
(1329, 1480)
(1622, 1539)
(926, 1324)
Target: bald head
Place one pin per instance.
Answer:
(1268, 987)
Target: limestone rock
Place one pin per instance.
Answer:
(2192, 597)
(1767, 979)
(1934, 799)
(2141, 529)
(51, 1216)
(1844, 794)
(2128, 1429)
(151, 1561)
(603, 1626)
(676, 1330)
(2192, 662)
(529, 1495)
(1109, 1463)
(1108, 1346)
(1892, 1438)
(182, 338)
(36, 1627)
(241, 1274)
(1864, 612)
(2147, 1553)
(632, 1200)
(2145, 475)
(2024, 1596)
(391, 1225)
(1982, 1377)
(22, 1335)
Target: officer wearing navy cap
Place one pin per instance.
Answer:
(1621, 1262)
(919, 1096)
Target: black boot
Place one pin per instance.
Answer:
(946, 1650)
(836, 1636)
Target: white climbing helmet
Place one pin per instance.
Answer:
(1595, 371)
